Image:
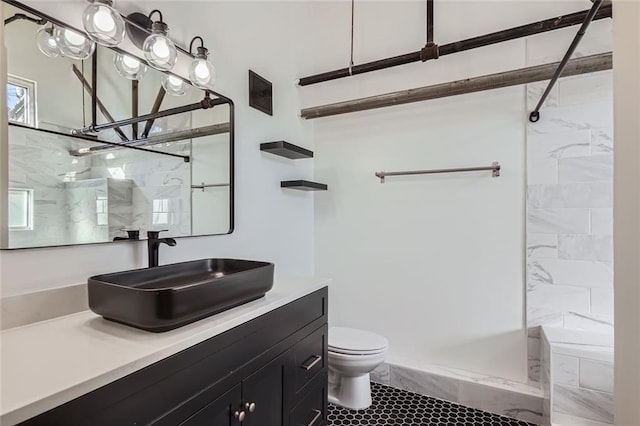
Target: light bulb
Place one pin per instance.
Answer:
(103, 23)
(46, 42)
(129, 67)
(158, 49)
(174, 85)
(202, 73)
(73, 44)
(161, 49)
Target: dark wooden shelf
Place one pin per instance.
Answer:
(303, 185)
(286, 149)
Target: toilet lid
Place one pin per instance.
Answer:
(353, 341)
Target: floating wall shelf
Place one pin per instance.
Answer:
(286, 149)
(303, 185)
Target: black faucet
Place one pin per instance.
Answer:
(132, 234)
(153, 243)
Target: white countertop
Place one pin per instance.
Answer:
(48, 363)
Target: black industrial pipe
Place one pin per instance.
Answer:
(94, 88)
(429, 21)
(206, 103)
(535, 114)
(460, 46)
(185, 158)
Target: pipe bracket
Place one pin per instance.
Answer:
(429, 51)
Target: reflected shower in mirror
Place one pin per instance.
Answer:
(74, 183)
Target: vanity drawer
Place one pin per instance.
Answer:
(312, 409)
(309, 357)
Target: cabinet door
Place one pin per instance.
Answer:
(263, 395)
(220, 412)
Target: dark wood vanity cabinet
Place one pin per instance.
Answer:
(270, 371)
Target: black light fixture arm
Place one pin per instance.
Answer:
(193, 40)
(535, 114)
(158, 12)
(19, 16)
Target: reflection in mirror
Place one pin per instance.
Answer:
(69, 184)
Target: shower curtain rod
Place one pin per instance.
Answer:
(584, 65)
(514, 33)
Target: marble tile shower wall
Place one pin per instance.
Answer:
(569, 209)
(41, 162)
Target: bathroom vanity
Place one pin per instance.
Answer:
(263, 363)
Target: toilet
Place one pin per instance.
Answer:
(353, 354)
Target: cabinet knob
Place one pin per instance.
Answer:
(250, 406)
(240, 415)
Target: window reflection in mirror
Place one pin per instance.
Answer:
(66, 190)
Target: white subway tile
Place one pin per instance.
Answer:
(558, 221)
(565, 370)
(602, 221)
(585, 247)
(559, 298)
(542, 246)
(602, 301)
(596, 375)
(542, 171)
(572, 195)
(570, 272)
(552, 146)
(594, 168)
(582, 320)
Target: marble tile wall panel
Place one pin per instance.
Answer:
(594, 168)
(542, 172)
(535, 91)
(585, 403)
(575, 195)
(570, 272)
(568, 420)
(565, 370)
(545, 379)
(589, 322)
(596, 375)
(600, 89)
(602, 221)
(539, 316)
(602, 301)
(533, 360)
(586, 247)
(564, 144)
(381, 374)
(425, 383)
(542, 246)
(567, 118)
(558, 221)
(558, 298)
(500, 401)
(602, 141)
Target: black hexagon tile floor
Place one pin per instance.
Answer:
(395, 407)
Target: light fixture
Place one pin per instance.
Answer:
(73, 44)
(46, 41)
(173, 85)
(103, 23)
(129, 67)
(202, 73)
(159, 50)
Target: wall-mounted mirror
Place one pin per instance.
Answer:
(70, 183)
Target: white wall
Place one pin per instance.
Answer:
(271, 223)
(434, 263)
(626, 33)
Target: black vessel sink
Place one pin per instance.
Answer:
(166, 297)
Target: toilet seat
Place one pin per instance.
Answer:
(351, 341)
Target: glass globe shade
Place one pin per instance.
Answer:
(174, 85)
(202, 73)
(160, 51)
(46, 42)
(103, 23)
(129, 67)
(73, 44)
